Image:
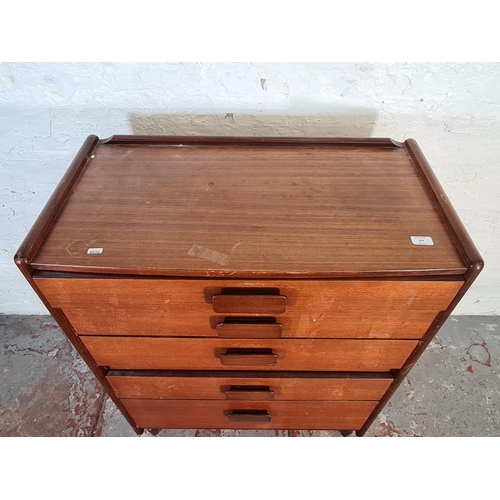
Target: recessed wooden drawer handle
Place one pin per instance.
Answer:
(249, 357)
(249, 416)
(249, 304)
(250, 330)
(249, 392)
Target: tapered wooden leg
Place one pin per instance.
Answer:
(154, 431)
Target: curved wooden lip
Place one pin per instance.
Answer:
(466, 247)
(35, 236)
(247, 274)
(38, 231)
(250, 141)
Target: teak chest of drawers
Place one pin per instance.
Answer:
(256, 283)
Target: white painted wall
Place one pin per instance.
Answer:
(452, 110)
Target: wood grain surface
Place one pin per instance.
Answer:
(283, 389)
(154, 353)
(239, 209)
(249, 330)
(157, 414)
(329, 309)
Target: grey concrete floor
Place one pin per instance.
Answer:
(47, 390)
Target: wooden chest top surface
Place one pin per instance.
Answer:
(249, 209)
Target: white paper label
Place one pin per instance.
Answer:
(94, 250)
(421, 240)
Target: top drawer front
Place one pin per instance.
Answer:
(328, 309)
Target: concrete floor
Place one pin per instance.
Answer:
(47, 390)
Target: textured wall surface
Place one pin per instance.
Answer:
(451, 109)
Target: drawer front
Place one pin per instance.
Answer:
(328, 309)
(157, 353)
(253, 387)
(338, 415)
